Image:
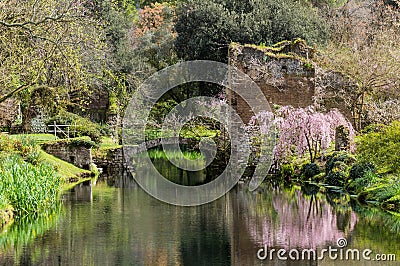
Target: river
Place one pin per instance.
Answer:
(107, 225)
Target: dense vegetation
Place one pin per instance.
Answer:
(206, 28)
(27, 185)
(58, 57)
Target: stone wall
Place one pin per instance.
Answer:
(286, 75)
(112, 163)
(78, 155)
(335, 90)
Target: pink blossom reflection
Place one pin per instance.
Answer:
(295, 221)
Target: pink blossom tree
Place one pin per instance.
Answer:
(301, 130)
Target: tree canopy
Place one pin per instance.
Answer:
(206, 28)
(46, 44)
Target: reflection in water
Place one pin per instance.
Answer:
(125, 226)
(23, 232)
(292, 221)
(104, 225)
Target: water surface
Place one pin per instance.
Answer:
(103, 225)
(125, 226)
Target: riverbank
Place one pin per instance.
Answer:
(32, 180)
(349, 174)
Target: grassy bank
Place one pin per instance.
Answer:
(30, 179)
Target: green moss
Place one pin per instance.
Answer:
(281, 44)
(74, 142)
(113, 104)
(277, 51)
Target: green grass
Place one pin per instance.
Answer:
(108, 143)
(194, 132)
(64, 169)
(30, 179)
(37, 138)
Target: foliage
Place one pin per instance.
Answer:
(332, 159)
(359, 184)
(382, 111)
(62, 43)
(31, 190)
(189, 131)
(80, 126)
(4, 204)
(81, 142)
(287, 171)
(365, 46)
(160, 110)
(384, 193)
(206, 28)
(310, 170)
(160, 154)
(139, 45)
(74, 142)
(360, 169)
(22, 146)
(337, 168)
(381, 148)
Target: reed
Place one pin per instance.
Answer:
(32, 190)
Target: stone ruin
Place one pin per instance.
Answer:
(287, 75)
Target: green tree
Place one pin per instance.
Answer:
(206, 28)
(50, 53)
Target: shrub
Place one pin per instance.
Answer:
(381, 148)
(336, 178)
(337, 168)
(287, 170)
(23, 146)
(380, 192)
(6, 145)
(80, 125)
(333, 159)
(392, 204)
(205, 28)
(361, 183)
(310, 170)
(360, 169)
